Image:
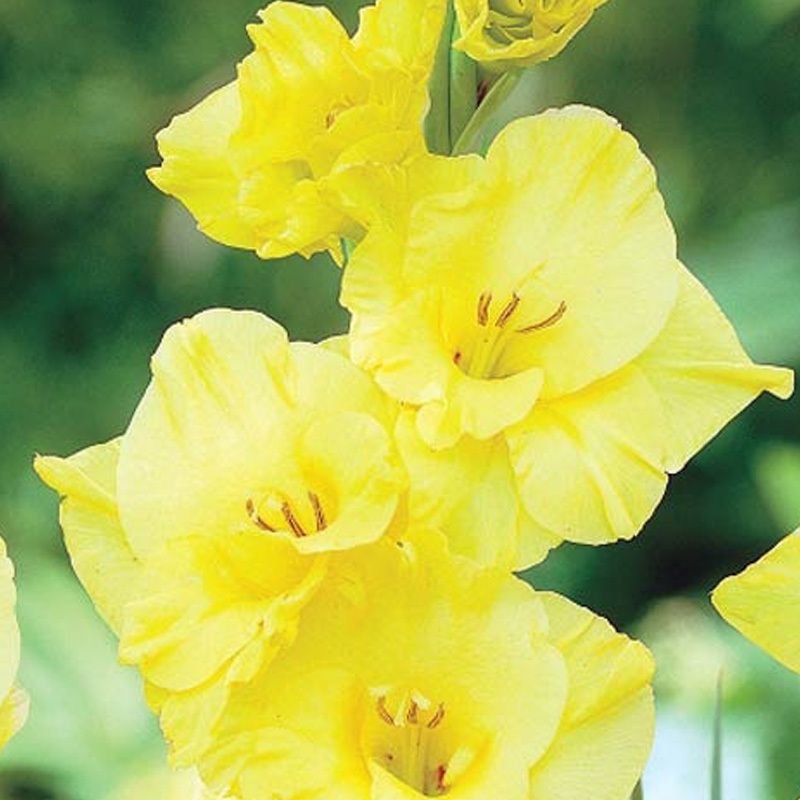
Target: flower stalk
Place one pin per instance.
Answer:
(475, 136)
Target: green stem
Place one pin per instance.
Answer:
(638, 792)
(472, 140)
(463, 87)
(716, 748)
(348, 245)
(437, 123)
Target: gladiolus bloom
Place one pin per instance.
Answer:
(540, 318)
(419, 675)
(251, 161)
(202, 533)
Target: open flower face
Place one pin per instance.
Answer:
(417, 676)
(518, 33)
(13, 701)
(251, 160)
(201, 534)
(763, 602)
(545, 305)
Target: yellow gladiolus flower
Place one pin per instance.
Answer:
(202, 533)
(420, 676)
(518, 33)
(539, 319)
(763, 602)
(13, 701)
(251, 160)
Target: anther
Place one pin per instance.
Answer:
(505, 314)
(319, 512)
(383, 713)
(437, 718)
(548, 322)
(412, 715)
(441, 774)
(292, 521)
(255, 518)
(484, 301)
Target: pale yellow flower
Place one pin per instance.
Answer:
(13, 701)
(763, 602)
(251, 161)
(420, 676)
(201, 534)
(518, 33)
(540, 316)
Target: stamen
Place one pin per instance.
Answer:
(319, 512)
(506, 313)
(292, 521)
(412, 715)
(255, 518)
(383, 713)
(437, 718)
(484, 301)
(548, 322)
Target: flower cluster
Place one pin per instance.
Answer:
(308, 549)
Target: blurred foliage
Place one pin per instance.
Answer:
(94, 264)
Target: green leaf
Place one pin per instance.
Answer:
(437, 123)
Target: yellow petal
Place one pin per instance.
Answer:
(213, 597)
(259, 754)
(701, 373)
(13, 713)
(383, 196)
(401, 34)
(466, 491)
(607, 731)
(13, 701)
(197, 167)
(98, 548)
(589, 466)
(9, 632)
(369, 485)
(763, 602)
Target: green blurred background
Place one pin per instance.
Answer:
(95, 263)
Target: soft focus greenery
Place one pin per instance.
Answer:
(94, 264)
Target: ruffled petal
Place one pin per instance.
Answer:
(701, 373)
(98, 548)
(589, 466)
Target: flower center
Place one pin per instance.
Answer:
(279, 512)
(411, 740)
(479, 359)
